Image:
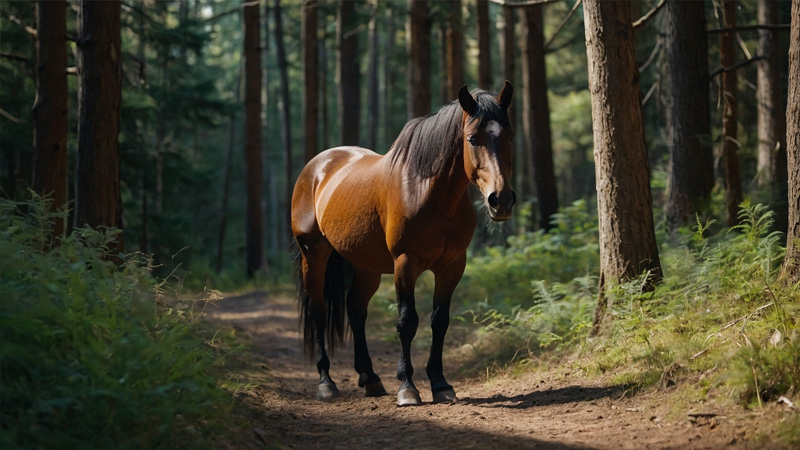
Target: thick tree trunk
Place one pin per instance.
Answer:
(790, 272)
(730, 114)
(311, 78)
(98, 202)
(627, 234)
(454, 43)
(536, 113)
(372, 76)
(388, 79)
(50, 107)
(285, 113)
(347, 59)
(419, 58)
(771, 120)
(484, 55)
(252, 132)
(691, 169)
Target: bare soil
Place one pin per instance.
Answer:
(553, 409)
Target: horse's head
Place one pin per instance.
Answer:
(488, 153)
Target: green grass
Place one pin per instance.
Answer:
(92, 353)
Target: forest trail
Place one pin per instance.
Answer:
(545, 410)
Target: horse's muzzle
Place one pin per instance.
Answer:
(501, 204)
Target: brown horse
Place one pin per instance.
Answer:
(357, 214)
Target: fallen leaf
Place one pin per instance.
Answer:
(775, 339)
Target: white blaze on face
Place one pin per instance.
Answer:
(493, 129)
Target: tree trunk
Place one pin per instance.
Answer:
(226, 177)
(484, 56)
(347, 59)
(771, 121)
(624, 206)
(388, 79)
(252, 132)
(536, 112)
(418, 34)
(285, 103)
(311, 78)
(98, 202)
(691, 169)
(730, 144)
(372, 75)
(454, 43)
(790, 272)
(50, 107)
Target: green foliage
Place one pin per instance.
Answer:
(91, 354)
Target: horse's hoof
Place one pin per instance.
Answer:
(375, 389)
(445, 396)
(328, 391)
(408, 397)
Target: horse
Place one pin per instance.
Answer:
(356, 215)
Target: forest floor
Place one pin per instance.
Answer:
(550, 409)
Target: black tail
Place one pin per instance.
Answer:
(338, 280)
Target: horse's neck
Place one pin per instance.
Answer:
(443, 192)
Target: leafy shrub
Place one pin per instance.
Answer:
(91, 355)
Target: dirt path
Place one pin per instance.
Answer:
(548, 410)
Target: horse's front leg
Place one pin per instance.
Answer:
(447, 279)
(406, 272)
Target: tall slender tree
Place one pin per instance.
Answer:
(691, 167)
(771, 122)
(730, 114)
(624, 205)
(418, 33)
(484, 55)
(536, 113)
(311, 78)
(98, 198)
(372, 77)
(790, 271)
(347, 59)
(285, 107)
(252, 132)
(454, 52)
(50, 106)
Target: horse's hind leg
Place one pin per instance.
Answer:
(315, 251)
(364, 286)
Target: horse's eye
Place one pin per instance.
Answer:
(473, 141)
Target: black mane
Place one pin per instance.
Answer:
(426, 145)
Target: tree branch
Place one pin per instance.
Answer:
(14, 57)
(735, 66)
(649, 14)
(8, 116)
(563, 22)
(29, 30)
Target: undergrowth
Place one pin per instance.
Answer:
(92, 353)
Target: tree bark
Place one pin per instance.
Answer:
(730, 114)
(419, 58)
(454, 43)
(691, 168)
(285, 113)
(484, 55)
(311, 78)
(347, 59)
(388, 79)
(771, 121)
(50, 107)
(790, 272)
(372, 76)
(627, 234)
(98, 201)
(536, 113)
(252, 132)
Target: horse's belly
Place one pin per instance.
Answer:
(360, 240)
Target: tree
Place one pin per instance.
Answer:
(536, 113)
(454, 52)
(484, 56)
(98, 198)
(284, 103)
(252, 132)
(310, 77)
(771, 123)
(790, 271)
(419, 58)
(691, 166)
(624, 206)
(347, 59)
(730, 114)
(50, 106)
(372, 76)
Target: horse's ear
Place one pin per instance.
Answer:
(506, 94)
(468, 103)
